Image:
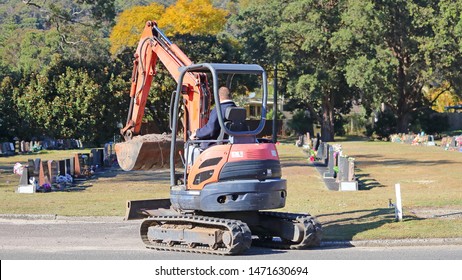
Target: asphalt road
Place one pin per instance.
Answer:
(114, 239)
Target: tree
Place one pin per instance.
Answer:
(298, 35)
(130, 24)
(195, 17)
(397, 48)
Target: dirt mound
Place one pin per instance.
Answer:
(147, 152)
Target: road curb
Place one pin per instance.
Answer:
(393, 242)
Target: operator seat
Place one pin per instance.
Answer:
(235, 121)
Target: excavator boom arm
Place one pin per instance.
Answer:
(154, 46)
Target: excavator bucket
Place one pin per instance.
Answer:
(146, 152)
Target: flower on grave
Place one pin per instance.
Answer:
(46, 187)
(60, 179)
(311, 158)
(18, 169)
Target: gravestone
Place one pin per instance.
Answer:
(27, 147)
(453, 143)
(350, 184)
(37, 163)
(325, 153)
(24, 180)
(97, 157)
(53, 169)
(330, 173)
(431, 140)
(342, 169)
(43, 174)
(108, 154)
(351, 170)
(1, 149)
(320, 152)
(22, 146)
(17, 147)
(68, 166)
(78, 164)
(79, 144)
(62, 167)
(31, 168)
(12, 147)
(6, 149)
(72, 167)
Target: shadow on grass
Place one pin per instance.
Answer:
(375, 159)
(344, 227)
(365, 182)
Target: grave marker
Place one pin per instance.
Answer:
(62, 167)
(68, 166)
(330, 173)
(43, 174)
(53, 169)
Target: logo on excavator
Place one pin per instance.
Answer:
(238, 154)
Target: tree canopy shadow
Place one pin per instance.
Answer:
(345, 225)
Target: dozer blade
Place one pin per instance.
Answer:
(145, 152)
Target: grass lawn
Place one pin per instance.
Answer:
(429, 176)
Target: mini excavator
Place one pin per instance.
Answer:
(218, 198)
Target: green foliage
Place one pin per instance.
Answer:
(301, 122)
(384, 125)
(430, 122)
(270, 115)
(396, 48)
(299, 36)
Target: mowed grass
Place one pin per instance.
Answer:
(429, 177)
(430, 180)
(104, 195)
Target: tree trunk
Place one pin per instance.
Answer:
(402, 123)
(327, 122)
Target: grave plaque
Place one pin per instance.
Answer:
(53, 169)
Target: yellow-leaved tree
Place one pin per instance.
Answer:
(442, 96)
(195, 17)
(130, 24)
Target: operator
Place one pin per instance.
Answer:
(212, 129)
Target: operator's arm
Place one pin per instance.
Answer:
(209, 131)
